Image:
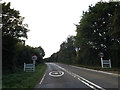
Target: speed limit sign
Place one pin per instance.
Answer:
(34, 57)
(101, 54)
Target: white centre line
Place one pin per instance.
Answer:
(83, 80)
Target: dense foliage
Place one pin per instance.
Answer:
(98, 31)
(14, 51)
(66, 53)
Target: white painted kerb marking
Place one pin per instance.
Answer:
(85, 81)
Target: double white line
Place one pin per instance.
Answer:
(83, 80)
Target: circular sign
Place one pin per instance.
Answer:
(101, 54)
(34, 57)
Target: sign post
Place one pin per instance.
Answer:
(104, 63)
(29, 67)
(101, 54)
(34, 58)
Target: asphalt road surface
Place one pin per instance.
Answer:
(66, 76)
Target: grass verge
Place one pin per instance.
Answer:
(112, 70)
(23, 79)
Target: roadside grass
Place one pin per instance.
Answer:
(94, 67)
(113, 70)
(23, 79)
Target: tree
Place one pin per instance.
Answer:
(96, 28)
(12, 23)
(67, 52)
(39, 51)
(12, 30)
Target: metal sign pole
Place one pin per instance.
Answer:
(109, 63)
(102, 62)
(24, 66)
(101, 54)
(33, 65)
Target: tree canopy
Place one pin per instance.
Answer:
(98, 31)
(14, 51)
(13, 23)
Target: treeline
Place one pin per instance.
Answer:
(98, 31)
(14, 50)
(66, 54)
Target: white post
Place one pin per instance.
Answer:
(24, 66)
(33, 65)
(102, 62)
(109, 63)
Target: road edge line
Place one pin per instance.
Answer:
(42, 78)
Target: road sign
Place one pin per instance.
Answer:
(34, 57)
(101, 54)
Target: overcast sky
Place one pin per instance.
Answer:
(50, 21)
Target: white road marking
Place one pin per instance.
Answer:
(88, 85)
(42, 78)
(85, 81)
(62, 73)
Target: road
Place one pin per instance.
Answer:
(66, 76)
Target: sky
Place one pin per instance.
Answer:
(50, 21)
